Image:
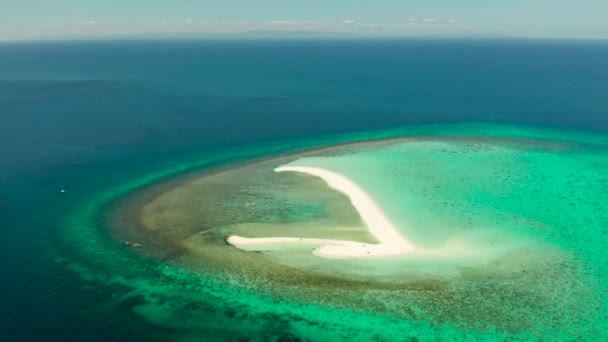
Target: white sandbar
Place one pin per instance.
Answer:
(391, 241)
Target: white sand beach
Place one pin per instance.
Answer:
(391, 241)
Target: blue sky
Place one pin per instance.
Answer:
(40, 19)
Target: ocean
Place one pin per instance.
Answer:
(85, 117)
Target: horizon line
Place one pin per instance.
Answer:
(300, 36)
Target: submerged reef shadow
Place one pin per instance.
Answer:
(527, 282)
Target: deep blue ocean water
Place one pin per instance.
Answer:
(82, 116)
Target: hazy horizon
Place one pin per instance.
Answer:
(70, 19)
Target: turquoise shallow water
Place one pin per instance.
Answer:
(535, 205)
(424, 185)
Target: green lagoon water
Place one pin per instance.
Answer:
(516, 214)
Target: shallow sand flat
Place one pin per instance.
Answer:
(241, 196)
(254, 202)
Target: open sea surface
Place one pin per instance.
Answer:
(102, 119)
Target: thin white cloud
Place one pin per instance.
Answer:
(191, 26)
(283, 22)
(91, 23)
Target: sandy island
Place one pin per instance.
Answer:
(391, 242)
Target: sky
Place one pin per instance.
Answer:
(65, 19)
